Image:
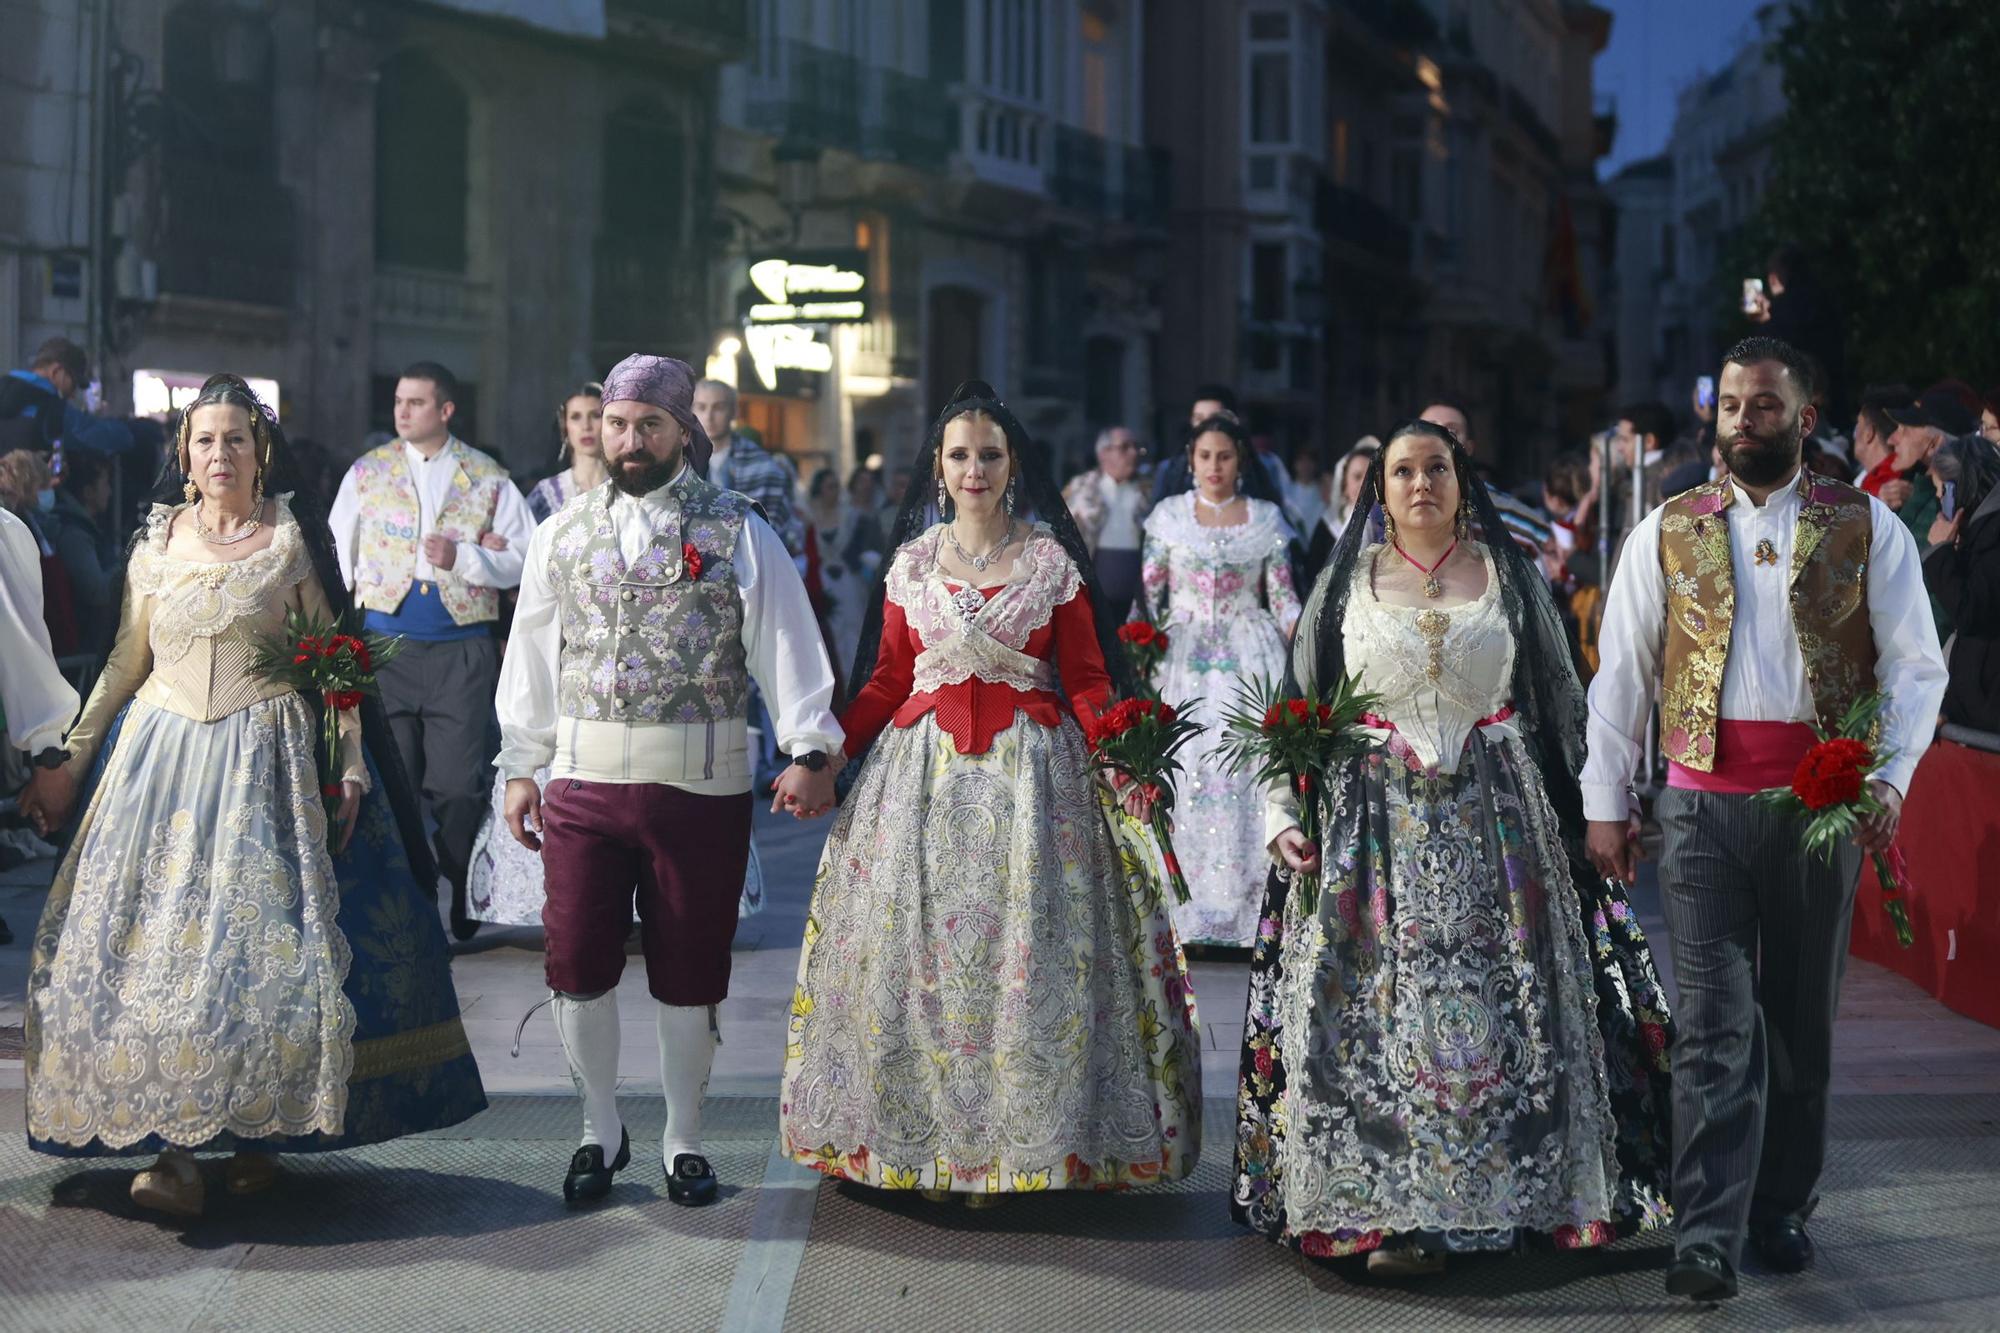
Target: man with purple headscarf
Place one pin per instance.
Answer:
(647, 608)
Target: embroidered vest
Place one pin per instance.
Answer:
(655, 643)
(1829, 595)
(386, 543)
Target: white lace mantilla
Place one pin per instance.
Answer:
(1439, 671)
(963, 641)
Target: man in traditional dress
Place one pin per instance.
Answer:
(1753, 606)
(1110, 503)
(647, 607)
(409, 526)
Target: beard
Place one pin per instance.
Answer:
(1763, 459)
(642, 474)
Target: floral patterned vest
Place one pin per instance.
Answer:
(660, 642)
(386, 555)
(1829, 607)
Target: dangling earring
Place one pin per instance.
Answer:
(191, 491)
(1239, 482)
(1010, 502)
(944, 514)
(257, 497)
(1389, 526)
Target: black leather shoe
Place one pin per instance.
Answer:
(1783, 1245)
(589, 1179)
(1700, 1273)
(691, 1180)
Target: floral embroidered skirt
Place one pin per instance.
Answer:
(503, 885)
(1218, 812)
(1454, 1048)
(990, 995)
(205, 975)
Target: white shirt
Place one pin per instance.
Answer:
(474, 564)
(781, 642)
(1764, 677)
(1122, 499)
(38, 702)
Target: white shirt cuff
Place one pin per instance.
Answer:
(1606, 803)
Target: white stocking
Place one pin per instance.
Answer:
(687, 1047)
(589, 1032)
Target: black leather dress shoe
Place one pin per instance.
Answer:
(691, 1180)
(463, 927)
(1783, 1245)
(589, 1179)
(1700, 1273)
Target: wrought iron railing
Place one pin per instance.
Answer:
(810, 95)
(228, 235)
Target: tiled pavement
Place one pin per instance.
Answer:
(464, 1229)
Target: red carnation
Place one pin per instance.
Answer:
(1325, 714)
(1299, 708)
(691, 560)
(1271, 717)
(343, 699)
(1831, 773)
(1138, 632)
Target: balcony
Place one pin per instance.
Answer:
(646, 295)
(718, 27)
(907, 119)
(809, 95)
(1352, 218)
(1005, 142)
(429, 300)
(1109, 180)
(229, 235)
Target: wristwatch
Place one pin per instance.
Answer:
(53, 757)
(812, 761)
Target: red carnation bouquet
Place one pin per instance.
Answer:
(1300, 740)
(337, 662)
(1146, 644)
(1137, 739)
(1830, 791)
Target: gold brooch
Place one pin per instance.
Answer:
(1766, 554)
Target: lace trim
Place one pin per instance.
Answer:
(204, 599)
(973, 653)
(1173, 521)
(1011, 616)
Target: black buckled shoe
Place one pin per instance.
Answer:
(589, 1179)
(1783, 1245)
(1700, 1273)
(691, 1180)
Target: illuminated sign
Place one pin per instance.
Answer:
(776, 347)
(811, 287)
(159, 393)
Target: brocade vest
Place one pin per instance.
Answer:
(385, 557)
(1829, 596)
(659, 642)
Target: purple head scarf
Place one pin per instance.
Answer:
(665, 383)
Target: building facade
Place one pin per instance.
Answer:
(982, 162)
(1382, 204)
(1719, 156)
(317, 194)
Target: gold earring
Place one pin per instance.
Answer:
(191, 491)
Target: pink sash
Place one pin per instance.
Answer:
(1749, 756)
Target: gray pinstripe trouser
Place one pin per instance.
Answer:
(1758, 930)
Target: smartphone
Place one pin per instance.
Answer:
(1704, 391)
(1753, 294)
(1948, 501)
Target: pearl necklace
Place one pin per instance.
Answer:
(1217, 507)
(980, 562)
(244, 533)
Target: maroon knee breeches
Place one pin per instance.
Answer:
(684, 854)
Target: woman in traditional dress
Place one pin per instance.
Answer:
(578, 422)
(990, 997)
(847, 541)
(220, 966)
(504, 879)
(1464, 1043)
(1217, 576)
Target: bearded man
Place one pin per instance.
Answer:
(1753, 606)
(647, 607)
